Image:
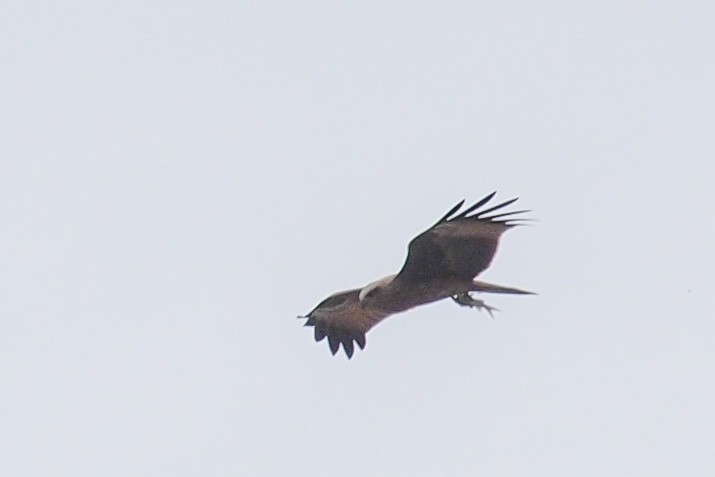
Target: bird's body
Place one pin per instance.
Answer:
(442, 262)
(396, 294)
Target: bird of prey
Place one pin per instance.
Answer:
(442, 262)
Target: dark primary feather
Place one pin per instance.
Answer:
(481, 213)
(475, 206)
(506, 214)
(460, 246)
(451, 211)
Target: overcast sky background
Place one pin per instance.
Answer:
(179, 181)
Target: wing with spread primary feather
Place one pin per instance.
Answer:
(460, 245)
(343, 320)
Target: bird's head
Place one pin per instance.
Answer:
(375, 289)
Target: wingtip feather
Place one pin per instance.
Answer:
(348, 347)
(496, 207)
(334, 344)
(451, 211)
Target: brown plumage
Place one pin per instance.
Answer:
(441, 262)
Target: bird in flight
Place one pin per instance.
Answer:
(442, 262)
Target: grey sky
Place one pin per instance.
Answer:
(179, 181)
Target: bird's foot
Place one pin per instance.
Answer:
(465, 299)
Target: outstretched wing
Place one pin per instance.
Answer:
(460, 246)
(343, 319)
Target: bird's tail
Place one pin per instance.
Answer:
(490, 288)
